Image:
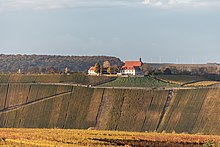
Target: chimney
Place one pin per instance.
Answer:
(140, 60)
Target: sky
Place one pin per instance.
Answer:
(173, 31)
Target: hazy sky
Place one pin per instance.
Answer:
(171, 30)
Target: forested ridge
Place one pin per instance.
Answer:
(51, 63)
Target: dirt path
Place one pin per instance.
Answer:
(33, 102)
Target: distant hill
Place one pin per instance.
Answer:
(52, 63)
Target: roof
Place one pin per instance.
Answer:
(131, 68)
(92, 68)
(128, 68)
(133, 63)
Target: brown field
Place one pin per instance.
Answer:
(59, 137)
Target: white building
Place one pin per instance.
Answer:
(132, 68)
(91, 71)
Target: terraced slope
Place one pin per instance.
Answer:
(80, 107)
(57, 106)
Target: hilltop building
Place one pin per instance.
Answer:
(91, 71)
(132, 68)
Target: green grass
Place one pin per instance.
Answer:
(138, 82)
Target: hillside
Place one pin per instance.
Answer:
(65, 106)
(45, 63)
(75, 78)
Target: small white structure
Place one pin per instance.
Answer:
(91, 71)
(131, 71)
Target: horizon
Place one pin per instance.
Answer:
(137, 59)
(168, 31)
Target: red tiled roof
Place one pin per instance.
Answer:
(133, 63)
(92, 68)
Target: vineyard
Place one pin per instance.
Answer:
(180, 79)
(193, 111)
(131, 110)
(51, 106)
(58, 137)
(31, 105)
(138, 82)
(75, 78)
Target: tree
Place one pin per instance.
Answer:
(109, 70)
(51, 70)
(167, 71)
(106, 64)
(97, 68)
(146, 69)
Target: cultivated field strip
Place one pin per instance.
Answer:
(77, 138)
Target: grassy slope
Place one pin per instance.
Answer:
(57, 137)
(137, 82)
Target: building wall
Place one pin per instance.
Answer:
(132, 72)
(128, 72)
(92, 72)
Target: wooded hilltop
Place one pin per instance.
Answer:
(51, 63)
